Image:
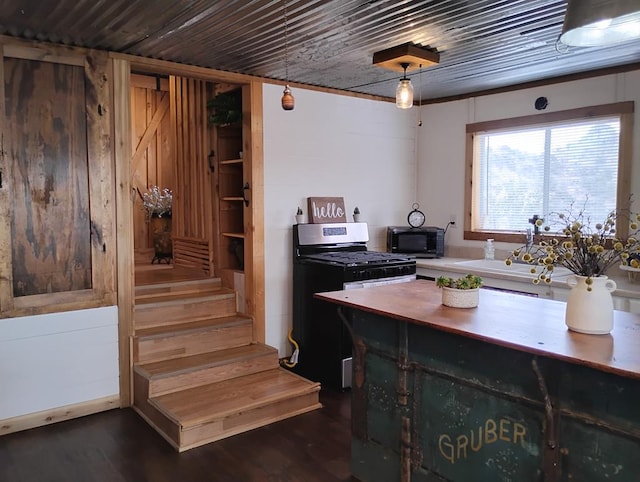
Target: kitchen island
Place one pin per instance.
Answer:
(501, 392)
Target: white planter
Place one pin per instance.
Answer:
(356, 218)
(300, 218)
(456, 298)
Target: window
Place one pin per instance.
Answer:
(539, 164)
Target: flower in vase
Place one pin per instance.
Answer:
(584, 248)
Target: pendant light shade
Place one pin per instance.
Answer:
(404, 94)
(288, 102)
(594, 23)
(404, 91)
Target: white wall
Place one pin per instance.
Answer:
(330, 145)
(54, 360)
(441, 141)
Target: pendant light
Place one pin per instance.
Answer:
(287, 102)
(595, 23)
(404, 91)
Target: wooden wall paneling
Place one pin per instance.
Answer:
(192, 214)
(139, 170)
(6, 299)
(191, 157)
(101, 166)
(254, 215)
(176, 127)
(124, 202)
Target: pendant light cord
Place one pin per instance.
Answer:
(286, 44)
(420, 95)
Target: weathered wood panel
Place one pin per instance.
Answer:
(47, 144)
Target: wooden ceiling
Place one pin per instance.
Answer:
(483, 44)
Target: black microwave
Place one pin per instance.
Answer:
(424, 242)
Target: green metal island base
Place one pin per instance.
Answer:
(501, 392)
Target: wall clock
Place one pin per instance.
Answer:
(416, 217)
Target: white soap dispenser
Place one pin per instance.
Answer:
(489, 250)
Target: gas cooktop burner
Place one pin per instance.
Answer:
(358, 258)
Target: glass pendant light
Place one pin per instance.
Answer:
(595, 23)
(404, 91)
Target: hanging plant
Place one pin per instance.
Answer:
(226, 108)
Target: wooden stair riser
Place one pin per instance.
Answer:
(149, 349)
(145, 298)
(178, 286)
(206, 375)
(248, 420)
(169, 430)
(169, 313)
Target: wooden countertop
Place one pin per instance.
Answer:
(523, 323)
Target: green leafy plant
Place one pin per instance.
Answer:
(356, 210)
(467, 282)
(226, 108)
(157, 202)
(299, 211)
(584, 248)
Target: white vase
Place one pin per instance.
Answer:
(356, 218)
(456, 298)
(590, 312)
(300, 218)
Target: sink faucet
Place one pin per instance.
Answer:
(534, 220)
(529, 241)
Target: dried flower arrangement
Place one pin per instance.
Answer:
(584, 249)
(157, 202)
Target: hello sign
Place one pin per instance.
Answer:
(326, 210)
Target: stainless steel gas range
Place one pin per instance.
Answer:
(329, 257)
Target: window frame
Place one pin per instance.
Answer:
(623, 110)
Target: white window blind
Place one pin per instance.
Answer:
(543, 169)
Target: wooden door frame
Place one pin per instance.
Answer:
(254, 220)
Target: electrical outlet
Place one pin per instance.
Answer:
(452, 220)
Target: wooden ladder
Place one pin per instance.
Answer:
(198, 374)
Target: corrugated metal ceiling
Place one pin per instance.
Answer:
(483, 44)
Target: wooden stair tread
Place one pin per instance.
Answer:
(184, 296)
(191, 326)
(173, 299)
(177, 366)
(218, 400)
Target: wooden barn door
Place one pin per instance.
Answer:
(57, 248)
(153, 162)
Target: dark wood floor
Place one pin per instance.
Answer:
(118, 445)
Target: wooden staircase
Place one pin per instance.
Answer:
(198, 375)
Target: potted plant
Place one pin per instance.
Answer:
(356, 215)
(158, 204)
(460, 292)
(226, 108)
(299, 216)
(588, 251)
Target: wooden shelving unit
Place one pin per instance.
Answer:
(230, 197)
